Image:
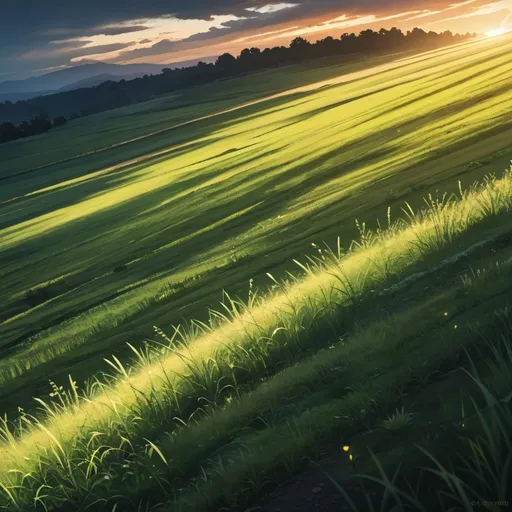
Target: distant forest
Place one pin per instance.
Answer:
(37, 125)
(110, 95)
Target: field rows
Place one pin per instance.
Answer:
(103, 255)
(407, 129)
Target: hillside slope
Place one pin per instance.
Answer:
(102, 255)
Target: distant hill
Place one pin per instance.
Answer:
(57, 80)
(77, 77)
(96, 80)
(105, 77)
(20, 96)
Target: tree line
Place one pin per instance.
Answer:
(37, 125)
(111, 95)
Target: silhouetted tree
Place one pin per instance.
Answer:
(59, 121)
(40, 124)
(300, 49)
(9, 132)
(299, 43)
(25, 129)
(227, 63)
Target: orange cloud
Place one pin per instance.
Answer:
(483, 10)
(427, 12)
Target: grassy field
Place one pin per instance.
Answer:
(141, 217)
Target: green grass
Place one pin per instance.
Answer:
(205, 414)
(207, 373)
(159, 116)
(416, 125)
(462, 476)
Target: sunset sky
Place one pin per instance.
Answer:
(38, 36)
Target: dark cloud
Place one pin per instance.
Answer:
(45, 59)
(145, 41)
(109, 30)
(69, 51)
(32, 24)
(73, 44)
(31, 19)
(163, 46)
(251, 21)
(118, 30)
(103, 48)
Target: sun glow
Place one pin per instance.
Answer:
(497, 32)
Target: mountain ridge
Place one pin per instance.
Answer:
(84, 75)
(63, 77)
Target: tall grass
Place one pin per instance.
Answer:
(84, 440)
(479, 477)
(430, 228)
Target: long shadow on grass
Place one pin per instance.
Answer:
(337, 387)
(177, 258)
(316, 180)
(446, 111)
(273, 203)
(72, 193)
(376, 155)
